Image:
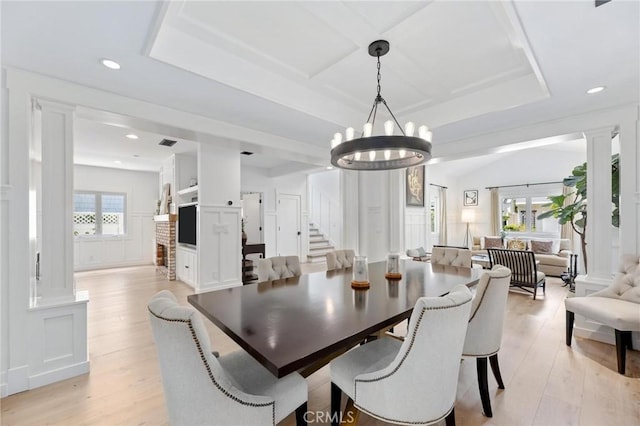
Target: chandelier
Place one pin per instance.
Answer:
(382, 152)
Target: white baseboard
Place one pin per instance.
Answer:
(17, 379)
(96, 267)
(63, 373)
(218, 286)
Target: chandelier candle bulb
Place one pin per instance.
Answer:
(349, 133)
(388, 127)
(338, 138)
(402, 153)
(357, 156)
(367, 129)
(409, 128)
(372, 155)
(387, 154)
(424, 133)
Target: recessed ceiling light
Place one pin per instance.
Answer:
(110, 64)
(132, 136)
(329, 167)
(595, 90)
(118, 162)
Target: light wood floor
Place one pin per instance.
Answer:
(546, 382)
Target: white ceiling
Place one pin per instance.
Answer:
(300, 70)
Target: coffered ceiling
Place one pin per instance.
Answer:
(300, 69)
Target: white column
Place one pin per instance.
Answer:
(598, 228)
(396, 211)
(349, 183)
(56, 258)
(630, 185)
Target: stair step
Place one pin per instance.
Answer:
(317, 247)
(318, 242)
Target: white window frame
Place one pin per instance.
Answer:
(98, 197)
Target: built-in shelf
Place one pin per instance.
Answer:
(188, 190)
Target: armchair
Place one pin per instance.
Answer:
(617, 306)
(524, 272)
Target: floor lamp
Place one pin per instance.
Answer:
(468, 216)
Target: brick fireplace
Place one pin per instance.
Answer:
(166, 245)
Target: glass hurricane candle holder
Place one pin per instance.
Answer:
(393, 267)
(360, 272)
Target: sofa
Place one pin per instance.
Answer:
(553, 255)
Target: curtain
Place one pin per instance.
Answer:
(496, 216)
(442, 218)
(566, 231)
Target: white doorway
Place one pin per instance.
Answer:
(252, 216)
(289, 230)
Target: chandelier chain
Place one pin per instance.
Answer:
(379, 74)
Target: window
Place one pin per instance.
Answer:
(99, 213)
(520, 212)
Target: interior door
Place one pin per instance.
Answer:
(289, 231)
(252, 215)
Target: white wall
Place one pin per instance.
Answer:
(254, 179)
(137, 246)
(325, 207)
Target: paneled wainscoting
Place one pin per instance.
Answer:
(546, 382)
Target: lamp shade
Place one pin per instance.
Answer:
(468, 215)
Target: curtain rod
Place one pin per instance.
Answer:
(523, 184)
(439, 186)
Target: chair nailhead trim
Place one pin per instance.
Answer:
(377, 379)
(210, 373)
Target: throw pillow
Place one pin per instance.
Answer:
(493, 242)
(541, 247)
(516, 245)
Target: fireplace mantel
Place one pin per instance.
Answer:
(165, 218)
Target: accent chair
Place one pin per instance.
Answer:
(617, 306)
(524, 271)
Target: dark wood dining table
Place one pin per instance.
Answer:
(301, 323)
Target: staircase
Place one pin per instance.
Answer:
(318, 245)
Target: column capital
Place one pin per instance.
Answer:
(44, 104)
(607, 131)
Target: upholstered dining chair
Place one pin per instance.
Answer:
(274, 268)
(340, 259)
(453, 256)
(617, 306)
(201, 389)
(409, 382)
(484, 333)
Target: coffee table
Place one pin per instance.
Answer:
(482, 260)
